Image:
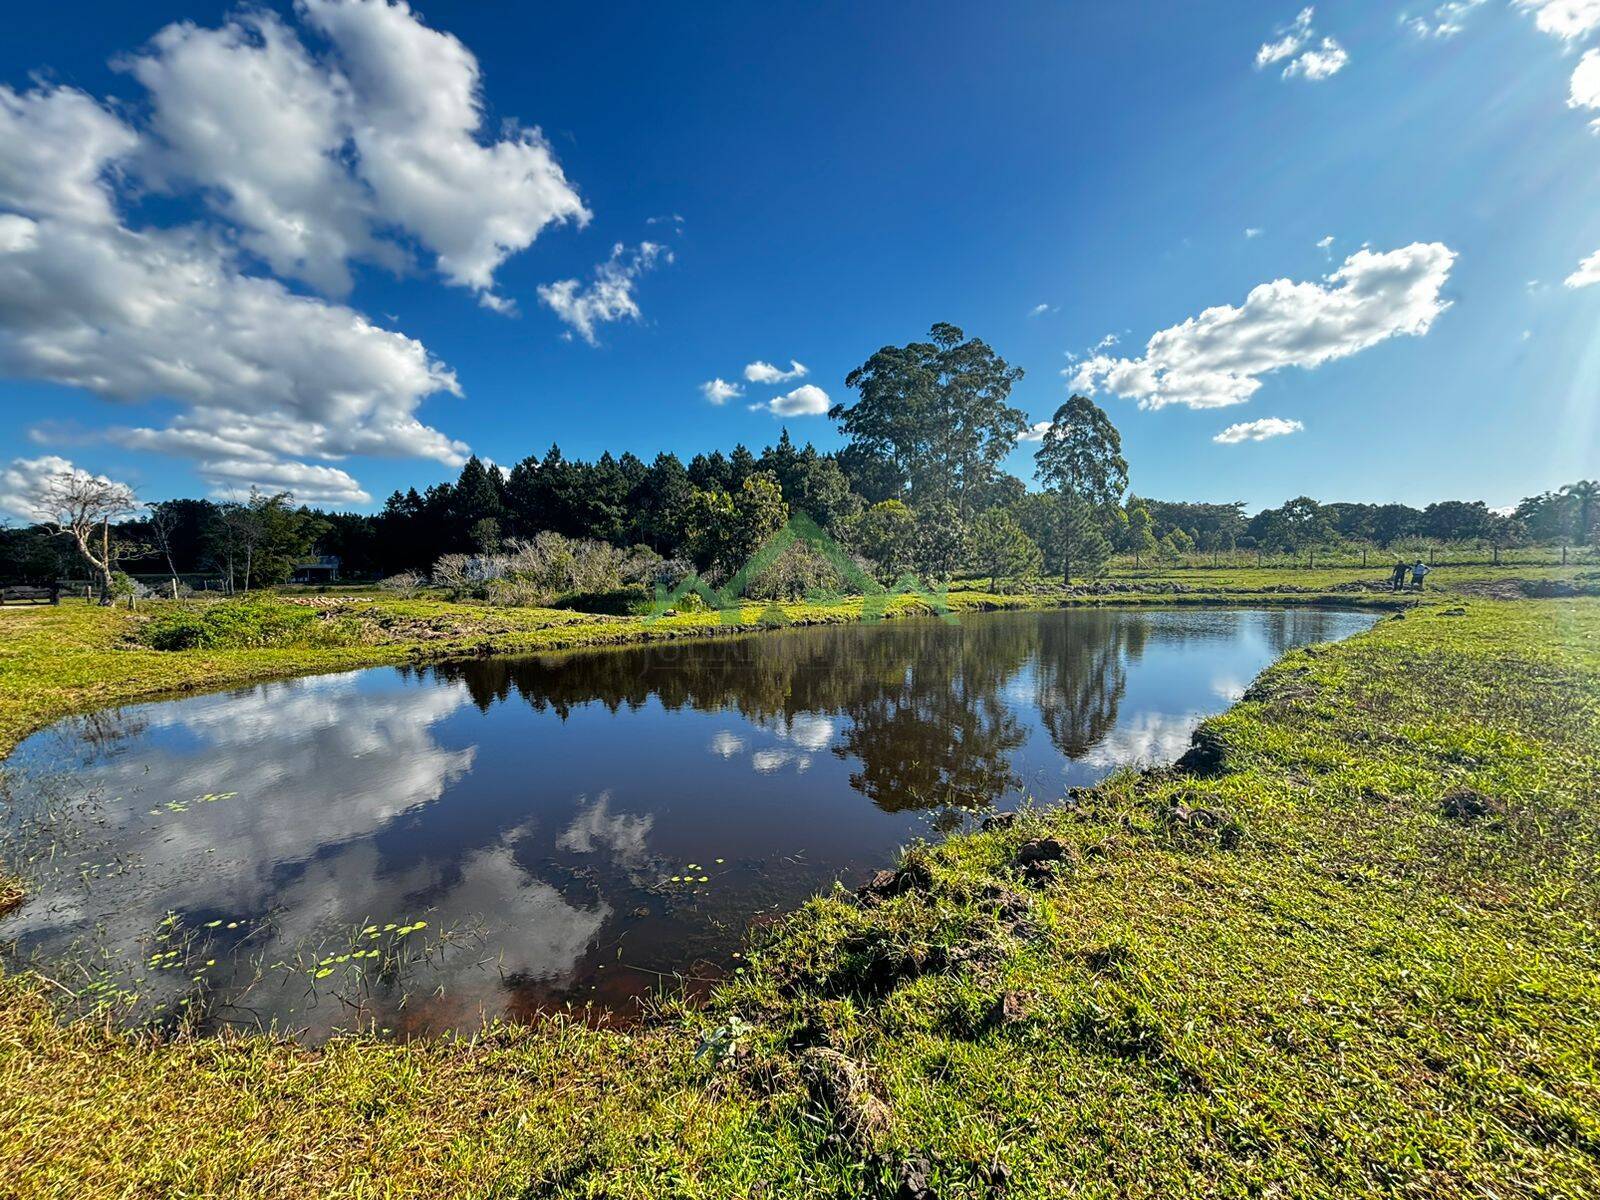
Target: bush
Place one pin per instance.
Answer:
(799, 571)
(406, 584)
(243, 625)
(549, 567)
(623, 602)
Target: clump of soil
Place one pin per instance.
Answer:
(1010, 1008)
(913, 877)
(1206, 756)
(1040, 850)
(1193, 822)
(842, 1086)
(1043, 859)
(1009, 906)
(1108, 959)
(1468, 805)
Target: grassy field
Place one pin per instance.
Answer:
(1351, 947)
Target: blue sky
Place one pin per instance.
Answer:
(818, 180)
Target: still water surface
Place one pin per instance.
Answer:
(498, 837)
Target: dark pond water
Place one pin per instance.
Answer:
(421, 848)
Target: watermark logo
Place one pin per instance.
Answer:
(860, 594)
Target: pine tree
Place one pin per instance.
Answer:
(1083, 548)
(1002, 550)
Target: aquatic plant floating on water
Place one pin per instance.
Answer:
(180, 806)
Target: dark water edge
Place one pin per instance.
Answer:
(417, 849)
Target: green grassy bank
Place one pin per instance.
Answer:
(1351, 948)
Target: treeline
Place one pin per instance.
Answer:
(917, 489)
(239, 544)
(1569, 516)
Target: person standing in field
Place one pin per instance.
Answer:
(1419, 571)
(1397, 578)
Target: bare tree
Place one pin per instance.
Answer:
(81, 506)
(163, 524)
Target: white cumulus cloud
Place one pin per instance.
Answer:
(807, 400)
(765, 372)
(1219, 357)
(1257, 431)
(319, 159)
(1290, 40)
(1324, 62)
(311, 483)
(259, 373)
(609, 295)
(1587, 274)
(1296, 46)
(350, 133)
(720, 391)
(245, 114)
(1565, 19)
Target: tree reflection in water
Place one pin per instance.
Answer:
(1082, 675)
(552, 806)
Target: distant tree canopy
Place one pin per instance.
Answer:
(918, 487)
(1570, 515)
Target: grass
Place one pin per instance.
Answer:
(1351, 948)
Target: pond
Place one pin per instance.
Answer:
(416, 849)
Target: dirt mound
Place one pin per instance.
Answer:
(1529, 589)
(1468, 805)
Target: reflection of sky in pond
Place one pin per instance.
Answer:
(542, 815)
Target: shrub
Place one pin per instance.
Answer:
(467, 576)
(405, 584)
(799, 571)
(243, 625)
(623, 602)
(544, 569)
